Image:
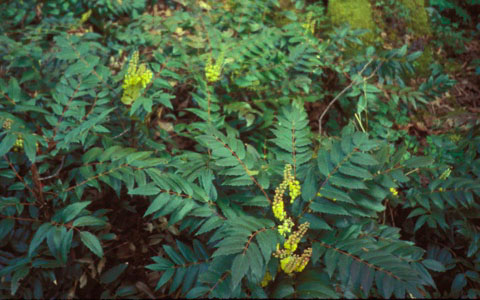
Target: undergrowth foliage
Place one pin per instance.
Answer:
(198, 115)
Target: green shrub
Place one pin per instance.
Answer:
(192, 150)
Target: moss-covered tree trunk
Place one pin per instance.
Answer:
(360, 14)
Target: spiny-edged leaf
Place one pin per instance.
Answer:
(197, 292)
(458, 283)
(88, 221)
(112, 274)
(325, 206)
(38, 237)
(190, 278)
(346, 182)
(210, 224)
(158, 203)
(330, 192)
(387, 285)
(200, 250)
(418, 162)
(330, 260)
(368, 203)
(17, 276)
(315, 289)
(229, 249)
(7, 143)
(30, 146)
(14, 265)
(433, 265)
(145, 190)
(173, 255)
(141, 155)
(355, 171)
(165, 277)
(240, 267)
(316, 223)
(65, 245)
(366, 280)
(186, 251)
(256, 259)
(92, 243)
(71, 211)
(283, 290)
(364, 159)
(160, 264)
(187, 206)
(177, 279)
(91, 154)
(6, 226)
(323, 161)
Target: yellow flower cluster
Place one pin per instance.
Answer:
(291, 243)
(294, 190)
(266, 279)
(135, 80)
(394, 191)
(309, 25)
(18, 146)
(278, 206)
(286, 226)
(213, 71)
(296, 263)
(290, 262)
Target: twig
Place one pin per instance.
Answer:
(56, 172)
(343, 92)
(120, 134)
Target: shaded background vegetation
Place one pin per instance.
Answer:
(375, 104)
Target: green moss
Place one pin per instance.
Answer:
(452, 66)
(357, 13)
(418, 19)
(424, 61)
(418, 26)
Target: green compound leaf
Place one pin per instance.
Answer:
(240, 267)
(70, 212)
(92, 243)
(7, 143)
(112, 274)
(38, 237)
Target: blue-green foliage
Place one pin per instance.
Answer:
(197, 162)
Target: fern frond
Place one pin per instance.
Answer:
(292, 137)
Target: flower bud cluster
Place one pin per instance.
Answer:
(214, 70)
(278, 206)
(291, 243)
(394, 191)
(18, 146)
(294, 190)
(296, 263)
(309, 25)
(286, 226)
(266, 279)
(290, 262)
(293, 185)
(7, 124)
(135, 80)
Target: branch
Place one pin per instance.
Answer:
(344, 91)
